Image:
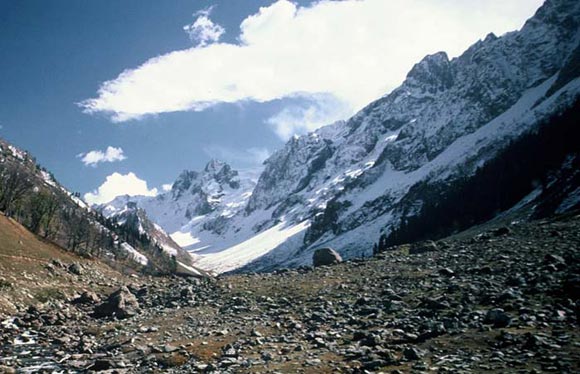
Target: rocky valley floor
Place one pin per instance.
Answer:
(495, 300)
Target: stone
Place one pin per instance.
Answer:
(87, 297)
(256, 333)
(423, 247)
(187, 293)
(101, 365)
(446, 272)
(501, 231)
(413, 354)
(121, 304)
(75, 269)
(267, 356)
(325, 256)
(497, 318)
(554, 259)
(168, 348)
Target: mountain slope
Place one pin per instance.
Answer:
(31, 195)
(33, 270)
(138, 227)
(448, 118)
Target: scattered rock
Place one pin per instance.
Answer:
(412, 313)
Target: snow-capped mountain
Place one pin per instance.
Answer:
(347, 183)
(199, 204)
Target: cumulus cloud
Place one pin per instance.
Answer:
(117, 185)
(203, 30)
(253, 156)
(166, 187)
(93, 158)
(354, 50)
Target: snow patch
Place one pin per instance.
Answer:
(570, 201)
(47, 178)
(17, 152)
(184, 239)
(251, 249)
(135, 254)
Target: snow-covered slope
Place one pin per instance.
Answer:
(344, 184)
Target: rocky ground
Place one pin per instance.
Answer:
(505, 299)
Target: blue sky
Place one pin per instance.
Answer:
(234, 84)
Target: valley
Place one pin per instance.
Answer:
(492, 299)
(448, 210)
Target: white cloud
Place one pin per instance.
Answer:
(253, 156)
(203, 30)
(117, 185)
(93, 158)
(354, 50)
(299, 119)
(166, 187)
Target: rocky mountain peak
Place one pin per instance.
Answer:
(222, 173)
(432, 74)
(184, 181)
(558, 13)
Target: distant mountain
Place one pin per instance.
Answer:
(31, 195)
(350, 183)
(199, 204)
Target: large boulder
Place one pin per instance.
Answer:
(121, 304)
(497, 317)
(325, 256)
(423, 247)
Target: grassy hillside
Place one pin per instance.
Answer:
(33, 270)
(30, 195)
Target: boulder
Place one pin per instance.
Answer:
(87, 297)
(423, 247)
(75, 269)
(325, 256)
(498, 318)
(121, 304)
(501, 231)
